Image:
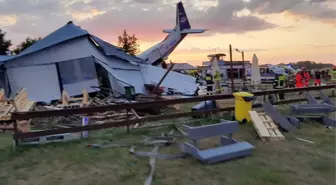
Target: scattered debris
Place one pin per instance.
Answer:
(265, 126)
(305, 140)
(229, 148)
(19, 103)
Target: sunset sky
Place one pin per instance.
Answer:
(276, 30)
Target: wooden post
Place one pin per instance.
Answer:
(65, 98)
(244, 74)
(85, 97)
(231, 70)
(127, 118)
(16, 141)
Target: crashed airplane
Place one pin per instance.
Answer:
(160, 52)
(72, 59)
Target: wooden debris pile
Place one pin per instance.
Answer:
(68, 102)
(20, 103)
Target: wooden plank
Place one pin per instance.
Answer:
(265, 126)
(277, 132)
(258, 124)
(28, 106)
(2, 94)
(269, 124)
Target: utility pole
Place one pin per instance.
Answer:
(231, 70)
(244, 74)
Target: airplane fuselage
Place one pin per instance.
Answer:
(160, 52)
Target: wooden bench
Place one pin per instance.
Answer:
(229, 148)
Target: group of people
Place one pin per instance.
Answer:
(303, 77)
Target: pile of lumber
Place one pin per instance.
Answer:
(69, 102)
(20, 103)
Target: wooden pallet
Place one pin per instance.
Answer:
(265, 126)
(19, 103)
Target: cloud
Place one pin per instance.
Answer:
(147, 21)
(145, 18)
(313, 9)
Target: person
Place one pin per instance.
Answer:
(323, 75)
(279, 83)
(217, 82)
(299, 79)
(306, 76)
(317, 80)
(209, 82)
(333, 75)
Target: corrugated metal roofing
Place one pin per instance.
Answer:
(111, 50)
(182, 66)
(71, 31)
(67, 32)
(4, 57)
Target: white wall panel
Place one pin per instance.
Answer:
(41, 82)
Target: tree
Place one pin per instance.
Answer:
(25, 44)
(309, 65)
(4, 44)
(128, 43)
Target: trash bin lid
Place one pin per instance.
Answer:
(242, 94)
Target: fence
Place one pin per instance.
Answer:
(89, 110)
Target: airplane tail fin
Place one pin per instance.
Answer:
(181, 17)
(182, 22)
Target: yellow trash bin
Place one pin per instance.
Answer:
(243, 104)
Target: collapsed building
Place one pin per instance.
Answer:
(72, 59)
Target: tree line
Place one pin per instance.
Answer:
(128, 43)
(310, 65)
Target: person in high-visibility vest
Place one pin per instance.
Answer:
(299, 79)
(279, 83)
(333, 75)
(195, 74)
(306, 77)
(217, 82)
(209, 82)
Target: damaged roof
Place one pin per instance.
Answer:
(69, 32)
(111, 50)
(182, 66)
(3, 58)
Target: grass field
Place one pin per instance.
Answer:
(278, 162)
(290, 161)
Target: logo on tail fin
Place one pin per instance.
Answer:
(182, 17)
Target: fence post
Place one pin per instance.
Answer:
(15, 141)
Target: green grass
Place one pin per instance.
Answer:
(277, 162)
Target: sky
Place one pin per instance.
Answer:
(277, 31)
